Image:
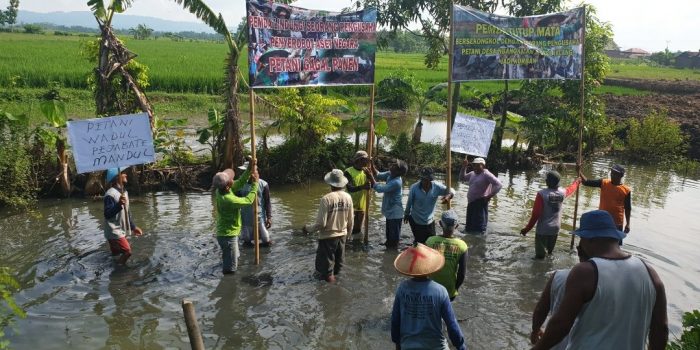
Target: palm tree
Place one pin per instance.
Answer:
(141, 32)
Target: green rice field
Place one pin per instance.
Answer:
(32, 61)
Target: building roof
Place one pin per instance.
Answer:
(636, 50)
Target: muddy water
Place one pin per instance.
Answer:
(75, 298)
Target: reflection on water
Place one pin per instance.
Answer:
(75, 298)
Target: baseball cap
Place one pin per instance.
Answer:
(449, 218)
(479, 160)
(427, 174)
(618, 169)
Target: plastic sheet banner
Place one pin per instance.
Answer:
(290, 46)
(111, 142)
(472, 135)
(493, 47)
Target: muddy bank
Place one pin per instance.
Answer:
(660, 86)
(680, 108)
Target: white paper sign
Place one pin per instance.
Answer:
(111, 142)
(472, 135)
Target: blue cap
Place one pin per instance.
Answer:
(598, 224)
(112, 173)
(449, 218)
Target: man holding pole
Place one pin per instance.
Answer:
(118, 221)
(392, 208)
(358, 187)
(615, 197)
(483, 185)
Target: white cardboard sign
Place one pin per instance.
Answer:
(472, 135)
(111, 142)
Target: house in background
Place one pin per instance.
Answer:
(688, 59)
(636, 53)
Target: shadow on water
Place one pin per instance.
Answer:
(75, 298)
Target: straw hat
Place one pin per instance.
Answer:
(419, 261)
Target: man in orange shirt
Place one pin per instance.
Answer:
(615, 198)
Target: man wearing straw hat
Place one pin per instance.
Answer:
(612, 301)
(358, 186)
(118, 220)
(420, 305)
(228, 210)
(334, 221)
(483, 185)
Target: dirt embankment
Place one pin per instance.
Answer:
(659, 86)
(682, 108)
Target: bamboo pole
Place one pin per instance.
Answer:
(448, 135)
(579, 161)
(196, 342)
(370, 146)
(256, 231)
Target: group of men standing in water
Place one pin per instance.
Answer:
(610, 300)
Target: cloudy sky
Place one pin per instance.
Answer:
(646, 24)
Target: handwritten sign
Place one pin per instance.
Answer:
(111, 142)
(472, 135)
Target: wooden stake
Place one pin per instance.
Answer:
(448, 135)
(256, 232)
(370, 146)
(579, 161)
(196, 342)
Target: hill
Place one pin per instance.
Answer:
(85, 19)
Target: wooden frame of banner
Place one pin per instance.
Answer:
(448, 135)
(370, 146)
(579, 161)
(256, 231)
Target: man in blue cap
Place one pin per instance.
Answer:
(616, 299)
(118, 220)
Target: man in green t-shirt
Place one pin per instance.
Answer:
(451, 276)
(357, 187)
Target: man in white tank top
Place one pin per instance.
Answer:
(616, 299)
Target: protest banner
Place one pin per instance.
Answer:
(291, 46)
(472, 135)
(492, 47)
(111, 142)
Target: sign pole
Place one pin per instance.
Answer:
(448, 135)
(579, 161)
(256, 233)
(370, 146)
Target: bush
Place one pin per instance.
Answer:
(402, 148)
(16, 189)
(33, 29)
(295, 161)
(8, 308)
(654, 137)
(690, 338)
(397, 91)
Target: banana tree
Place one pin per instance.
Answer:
(358, 120)
(54, 110)
(233, 148)
(113, 58)
(424, 98)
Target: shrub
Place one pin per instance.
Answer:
(8, 308)
(295, 161)
(690, 338)
(33, 29)
(16, 189)
(654, 137)
(397, 91)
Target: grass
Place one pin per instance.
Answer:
(186, 76)
(644, 71)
